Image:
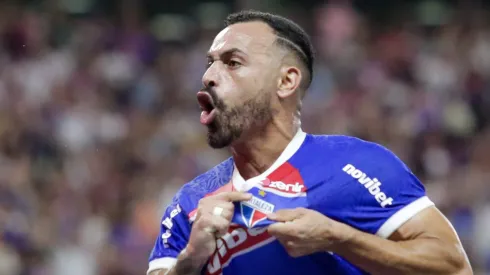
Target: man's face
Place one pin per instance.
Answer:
(239, 82)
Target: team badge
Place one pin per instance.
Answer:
(254, 211)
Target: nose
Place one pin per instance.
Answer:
(211, 76)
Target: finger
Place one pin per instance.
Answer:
(292, 248)
(234, 196)
(281, 230)
(221, 225)
(285, 215)
(289, 247)
(221, 209)
(213, 225)
(209, 205)
(215, 232)
(295, 252)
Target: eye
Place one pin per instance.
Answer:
(234, 64)
(209, 63)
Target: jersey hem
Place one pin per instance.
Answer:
(402, 216)
(161, 263)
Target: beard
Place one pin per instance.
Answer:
(231, 122)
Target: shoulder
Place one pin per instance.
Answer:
(348, 150)
(344, 143)
(366, 185)
(355, 165)
(208, 182)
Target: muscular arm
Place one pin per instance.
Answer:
(426, 244)
(201, 243)
(184, 266)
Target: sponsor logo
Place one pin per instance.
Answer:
(372, 185)
(236, 242)
(168, 223)
(284, 189)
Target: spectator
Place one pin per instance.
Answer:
(99, 127)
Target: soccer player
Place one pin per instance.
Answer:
(288, 202)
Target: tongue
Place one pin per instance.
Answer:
(207, 117)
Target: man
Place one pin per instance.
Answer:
(289, 202)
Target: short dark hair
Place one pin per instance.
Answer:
(290, 35)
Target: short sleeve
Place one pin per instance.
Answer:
(173, 237)
(371, 190)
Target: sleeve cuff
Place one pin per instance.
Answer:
(161, 263)
(402, 216)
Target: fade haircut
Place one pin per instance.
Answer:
(289, 35)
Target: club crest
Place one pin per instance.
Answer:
(254, 211)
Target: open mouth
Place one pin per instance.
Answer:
(205, 101)
(207, 106)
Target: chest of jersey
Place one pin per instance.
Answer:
(345, 179)
(282, 189)
(245, 251)
(247, 248)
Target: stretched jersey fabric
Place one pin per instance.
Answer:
(355, 182)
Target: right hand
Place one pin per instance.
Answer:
(210, 224)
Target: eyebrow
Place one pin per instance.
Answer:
(228, 52)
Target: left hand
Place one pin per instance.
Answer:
(303, 231)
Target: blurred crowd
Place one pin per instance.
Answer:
(99, 125)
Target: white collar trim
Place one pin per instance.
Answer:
(240, 184)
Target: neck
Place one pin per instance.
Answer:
(259, 151)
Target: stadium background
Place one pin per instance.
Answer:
(99, 124)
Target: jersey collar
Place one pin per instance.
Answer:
(240, 184)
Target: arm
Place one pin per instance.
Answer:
(413, 237)
(384, 223)
(426, 244)
(187, 254)
(174, 234)
(184, 266)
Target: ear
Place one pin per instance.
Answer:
(289, 81)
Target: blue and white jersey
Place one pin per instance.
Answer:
(352, 181)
